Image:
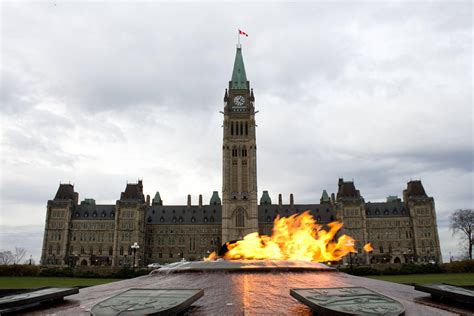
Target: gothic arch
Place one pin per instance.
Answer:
(239, 215)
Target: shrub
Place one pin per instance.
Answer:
(19, 270)
(465, 266)
(57, 272)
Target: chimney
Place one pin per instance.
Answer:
(189, 199)
(291, 200)
(148, 200)
(279, 199)
(200, 199)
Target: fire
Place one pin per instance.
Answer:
(368, 247)
(297, 237)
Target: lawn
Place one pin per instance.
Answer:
(36, 282)
(451, 278)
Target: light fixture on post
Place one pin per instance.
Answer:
(134, 247)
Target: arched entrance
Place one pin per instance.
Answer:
(84, 262)
(397, 260)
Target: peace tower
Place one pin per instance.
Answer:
(239, 156)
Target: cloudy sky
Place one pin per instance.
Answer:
(101, 93)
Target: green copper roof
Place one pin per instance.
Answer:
(265, 199)
(392, 198)
(215, 199)
(239, 78)
(325, 196)
(88, 202)
(157, 199)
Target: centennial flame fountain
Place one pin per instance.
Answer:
(254, 276)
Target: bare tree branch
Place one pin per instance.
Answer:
(6, 257)
(463, 221)
(19, 254)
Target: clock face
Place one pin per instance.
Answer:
(239, 100)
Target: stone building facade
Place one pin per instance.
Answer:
(86, 233)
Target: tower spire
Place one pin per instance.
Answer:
(239, 78)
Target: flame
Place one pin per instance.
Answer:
(297, 237)
(368, 247)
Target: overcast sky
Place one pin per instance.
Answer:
(101, 93)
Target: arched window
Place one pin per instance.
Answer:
(111, 251)
(121, 250)
(239, 218)
(50, 250)
(241, 128)
(244, 152)
(58, 250)
(100, 250)
(232, 128)
(246, 128)
(82, 250)
(91, 250)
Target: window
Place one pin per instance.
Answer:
(111, 251)
(82, 250)
(244, 152)
(381, 249)
(239, 218)
(50, 250)
(246, 128)
(91, 250)
(231, 128)
(121, 250)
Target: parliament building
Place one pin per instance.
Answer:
(88, 234)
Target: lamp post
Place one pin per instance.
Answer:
(134, 247)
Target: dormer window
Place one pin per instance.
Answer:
(174, 219)
(77, 214)
(212, 219)
(86, 214)
(94, 214)
(193, 219)
(162, 219)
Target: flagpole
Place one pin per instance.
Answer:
(238, 38)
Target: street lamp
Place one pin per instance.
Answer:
(134, 247)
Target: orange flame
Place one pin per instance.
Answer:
(297, 237)
(368, 247)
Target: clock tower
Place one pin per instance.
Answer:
(239, 157)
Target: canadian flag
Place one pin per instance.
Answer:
(243, 33)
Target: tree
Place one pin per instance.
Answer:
(6, 257)
(463, 221)
(19, 255)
